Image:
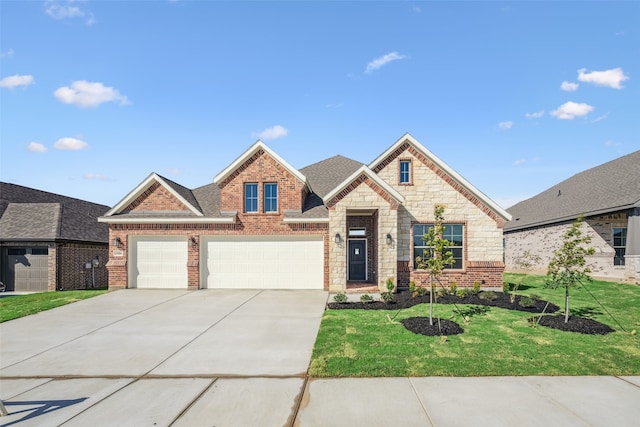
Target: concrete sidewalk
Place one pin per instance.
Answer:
(239, 358)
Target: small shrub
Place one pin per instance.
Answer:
(506, 287)
(388, 296)
(340, 297)
(476, 287)
(452, 288)
(366, 298)
(526, 302)
(441, 292)
(535, 297)
(462, 293)
(416, 291)
(487, 295)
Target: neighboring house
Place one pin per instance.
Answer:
(608, 196)
(46, 241)
(333, 225)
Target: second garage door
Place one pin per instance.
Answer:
(264, 262)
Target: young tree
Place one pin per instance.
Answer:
(568, 265)
(437, 256)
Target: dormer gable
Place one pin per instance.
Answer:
(366, 176)
(157, 194)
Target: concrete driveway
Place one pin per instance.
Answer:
(161, 357)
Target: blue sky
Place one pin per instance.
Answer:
(515, 96)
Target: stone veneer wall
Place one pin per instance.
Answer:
(483, 234)
(542, 241)
(362, 197)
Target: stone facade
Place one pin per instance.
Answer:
(536, 245)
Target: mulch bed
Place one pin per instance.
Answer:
(420, 325)
(575, 324)
(403, 299)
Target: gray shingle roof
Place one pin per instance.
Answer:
(326, 175)
(184, 192)
(610, 187)
(27, 213)
(208, 197)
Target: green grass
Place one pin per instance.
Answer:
(365, 343)
(13, 307)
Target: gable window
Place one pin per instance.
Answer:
(405, 171)
(619, 244)
(271, 197)
(251, 197)
(454, 233)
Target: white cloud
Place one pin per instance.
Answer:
(274, 132)
(15, 81)
(173, 171)
(570, 110)
(609, 78)
(90, 176)
(569, 86)
(70, 144)
(535, 115)
(611, 143)
(519, 162)
(600, 118)
(383, 60)
(67, 10)
(7, 54)
(36, 147)
(505, 125)
(89, 94)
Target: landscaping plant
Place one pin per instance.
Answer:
(439, 256)
(568, 266)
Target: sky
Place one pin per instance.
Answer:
(514, 96)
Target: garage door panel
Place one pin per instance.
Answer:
(160, 262)
(257, 262)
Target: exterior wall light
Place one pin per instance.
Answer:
(117, 242)
(192, 242)
(389, 239)
(337, 238)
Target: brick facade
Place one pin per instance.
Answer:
(374, 200)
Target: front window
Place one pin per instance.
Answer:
(619, 244)
(251, 197)
(271, 197)
(454, 233)
(405, 172)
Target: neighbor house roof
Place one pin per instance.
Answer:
(610, 187)
(30, 214)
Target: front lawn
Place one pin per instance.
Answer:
(12, 307)
(366, 343)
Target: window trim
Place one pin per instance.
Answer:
(265, 196)
(463, 247)
(409, 181)
(256, 197)
(618, 261)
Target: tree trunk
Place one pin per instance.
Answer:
(566, 304)
(431, 299)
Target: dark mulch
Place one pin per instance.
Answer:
(403, 299)
(420, 325)
(575, 324)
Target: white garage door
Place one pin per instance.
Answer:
(159, 262)
(264, 262)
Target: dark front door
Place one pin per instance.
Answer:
(357, 260)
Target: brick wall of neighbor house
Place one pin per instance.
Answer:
(72, 273)
(365, 196)
(430, 185)
(542, 241)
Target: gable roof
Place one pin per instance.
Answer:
(610, 187)
(364, 170)
(327, 174)
(259, 145)
(183, 194)
(30, 214)
(407, 138)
